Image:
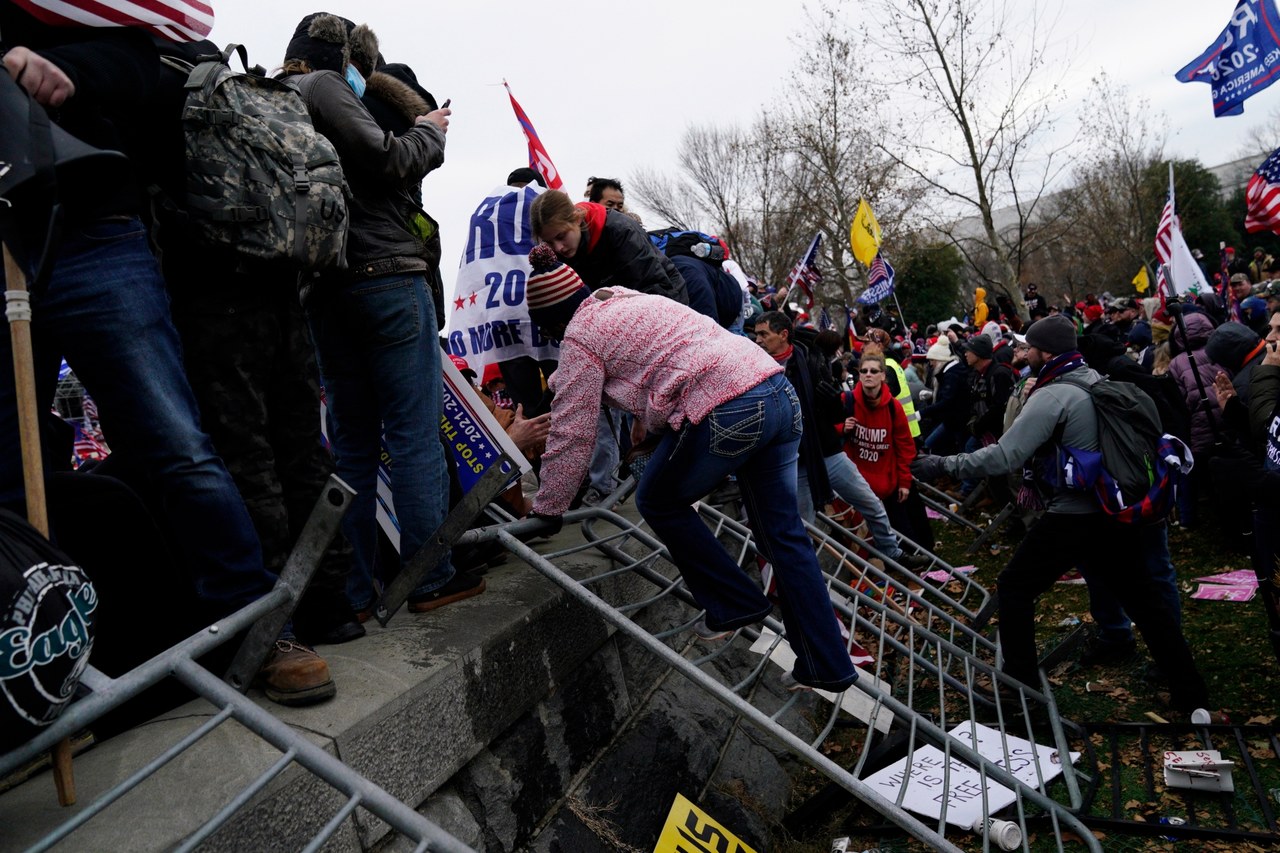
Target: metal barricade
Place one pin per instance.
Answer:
(933, 683)
(260, 619)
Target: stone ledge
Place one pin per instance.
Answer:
(416, 702)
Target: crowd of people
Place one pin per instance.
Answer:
(207, 373)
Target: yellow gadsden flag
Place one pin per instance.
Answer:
(1141, 281)
(864, 234)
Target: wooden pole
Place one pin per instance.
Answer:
(18, 310)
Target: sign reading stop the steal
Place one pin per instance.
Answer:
(691, 830)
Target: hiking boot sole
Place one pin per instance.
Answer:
(428, 606)
(306, 696)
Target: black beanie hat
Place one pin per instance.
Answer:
(1054, 335)
(980, 345)
(321, 40)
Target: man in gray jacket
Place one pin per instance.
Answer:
(1073, 529)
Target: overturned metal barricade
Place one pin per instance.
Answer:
(261, 619)
(1244, 810)
(945, 506)
(933, 684)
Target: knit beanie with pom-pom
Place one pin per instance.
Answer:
(554, 291)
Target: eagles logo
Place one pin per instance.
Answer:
(46, 633)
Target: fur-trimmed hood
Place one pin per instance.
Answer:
(397, 94)
(395, 99)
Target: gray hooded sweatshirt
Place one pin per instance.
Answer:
(1066, 400)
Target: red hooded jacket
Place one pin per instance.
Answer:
(881, 444)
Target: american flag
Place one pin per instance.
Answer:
(539, 159)
(805, 273)
(175, 20)
(1164, 243)
(1263, 196)
(879, 281)
(849, 327)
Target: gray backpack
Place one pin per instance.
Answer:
(260, 180)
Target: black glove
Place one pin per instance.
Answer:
(926, 469)
(551, 524)
(828, 390)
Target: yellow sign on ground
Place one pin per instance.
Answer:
(691, 830)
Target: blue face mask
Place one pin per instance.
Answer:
(355, 80)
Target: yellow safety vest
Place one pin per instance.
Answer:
(904, 397)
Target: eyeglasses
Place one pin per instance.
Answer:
(869, 370)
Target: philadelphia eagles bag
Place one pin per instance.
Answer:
(47, 609)
(260, 180)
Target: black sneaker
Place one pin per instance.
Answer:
(1101, 652)
(463, 585)
(914, 562)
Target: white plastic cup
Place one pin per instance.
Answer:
(1005, 834)
(1200, 717)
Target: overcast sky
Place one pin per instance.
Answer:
(611, 86)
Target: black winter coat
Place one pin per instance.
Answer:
(116, 72)
(820, 407)
(382, 170)
(951, 400)
(624, 257)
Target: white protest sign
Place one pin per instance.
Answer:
(963, 788)
(855, 701)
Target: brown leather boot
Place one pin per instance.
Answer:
(295, 675)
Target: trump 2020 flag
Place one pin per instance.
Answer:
(539, 159)
(1242, 61)
(489, 315)
(879, 281)
(175, 20)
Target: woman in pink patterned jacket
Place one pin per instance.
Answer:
(724, 407)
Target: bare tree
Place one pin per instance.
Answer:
(1108, 207)
(729, 183)
(835, 126)
(1262, 138)
(979, 104)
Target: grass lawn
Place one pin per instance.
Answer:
(1232, 652)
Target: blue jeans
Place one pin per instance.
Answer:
(107, 312)
(942, 440)
(1113, 623)
(380, 366)
(852, 488)
(756, 435)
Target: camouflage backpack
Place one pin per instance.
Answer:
(260, 179)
